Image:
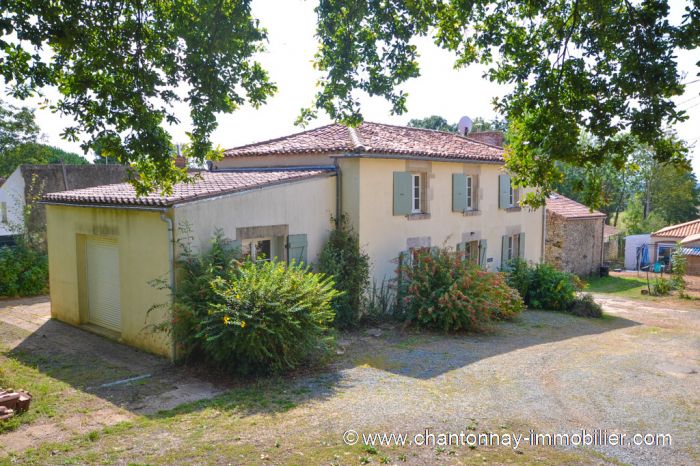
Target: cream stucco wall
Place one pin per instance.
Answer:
(12, 195)
(142, 239)
(384, 236)
(305, 207)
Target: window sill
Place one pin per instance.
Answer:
(513, 209)
(471, 213)
(420, 216)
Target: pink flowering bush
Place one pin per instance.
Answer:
(440, 290)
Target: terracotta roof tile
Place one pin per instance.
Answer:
(568, 208)
(205, 184)
(679, 231)
(374, 138)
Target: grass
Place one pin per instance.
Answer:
(628, 287)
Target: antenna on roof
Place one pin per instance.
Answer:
(464, 126)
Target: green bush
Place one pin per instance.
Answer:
(251, 318)
(441, 290)
(679, 264)
(542, 286)
(343, 259)
(661, 287)
(24, 271)
(585, 306)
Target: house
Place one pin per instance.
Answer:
(29, 182)
(574, 236)
(664, 241)
(401, 188)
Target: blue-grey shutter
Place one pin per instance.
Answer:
(504, 251)
(521, 245)
(403, 182)
(482, 253)
(503, 191)
(296, 248)
(459, 192)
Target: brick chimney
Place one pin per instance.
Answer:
(180, 161)
(495, 138)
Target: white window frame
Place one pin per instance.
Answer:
(513, 247)
(252, 249)
(470, 192)
(416, 193)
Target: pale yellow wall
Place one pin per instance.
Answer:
(384, 235)
(264, 161)
(305, 206)
(143, 243)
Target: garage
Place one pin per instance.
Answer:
(104, 307)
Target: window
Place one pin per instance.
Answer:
(513, 247)
(3, 212)
(416, 205)
(470, 192)
(471, 251)
(260, 250)
(513, 197)
(663, 254)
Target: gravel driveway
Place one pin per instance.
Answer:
(635, 371)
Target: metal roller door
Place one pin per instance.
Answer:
(103, 284)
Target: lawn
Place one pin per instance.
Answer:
(629, 287)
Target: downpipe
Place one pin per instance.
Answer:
(171, 261)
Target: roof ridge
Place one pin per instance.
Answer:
(449, 133)
(280, 138)
(357, 144)
(672, 227)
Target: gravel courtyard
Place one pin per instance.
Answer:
(634, 371)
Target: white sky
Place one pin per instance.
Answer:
(440, 90)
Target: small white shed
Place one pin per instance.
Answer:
(632, 244)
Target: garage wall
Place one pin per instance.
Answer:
(305, 207)
(369, 183)
(142, 240)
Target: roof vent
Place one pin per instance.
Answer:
(464, 126)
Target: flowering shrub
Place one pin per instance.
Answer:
(248, 317)
(441, 290)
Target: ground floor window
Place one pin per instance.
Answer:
(512, 249)
(259, 249)
(471, 251)
(663, 254)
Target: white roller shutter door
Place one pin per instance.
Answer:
(103, 284)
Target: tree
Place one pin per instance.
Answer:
(35, 153)
(599, 66)
(17, 127)
(120, 67)
(433, 122)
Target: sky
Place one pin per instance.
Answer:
(440, 90)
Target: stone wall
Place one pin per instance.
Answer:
(693, 265)
(44, 179)
(574, 245)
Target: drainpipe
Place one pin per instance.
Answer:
(544, 233)
(338, 191)
(171, 266)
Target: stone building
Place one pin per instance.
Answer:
(574, 236)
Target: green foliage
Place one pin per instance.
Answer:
(661, 287)
(250, 318)
(435, 122)
(343, 259)
(635, 221)
(24, 271)
(542, 286)
(35, 153)
(678, 267)
(585, 306)
(440, 290)
(381, 303)
(571, 65)
(123, 67)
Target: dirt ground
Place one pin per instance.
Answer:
(634, 371)
(692, 281)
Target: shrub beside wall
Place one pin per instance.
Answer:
(24, 271)
(440, 290)
(248, 317)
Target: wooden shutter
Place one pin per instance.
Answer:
(104, 301)
(503, 191)
(459, 192)
(403, 198)
(482, 253)
(521, 245)
(504, 250)
(296, 248)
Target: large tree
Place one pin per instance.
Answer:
(602, 66)
(121, 65)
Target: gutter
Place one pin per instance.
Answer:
(171, 267)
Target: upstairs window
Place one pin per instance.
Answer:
(417, 201)
(470, 193)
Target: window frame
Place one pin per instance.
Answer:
(513, 247)
(469, 201)
(416, 193)
(471, 251)
(252, 245)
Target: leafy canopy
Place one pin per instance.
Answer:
(602, 66)
(120, 67)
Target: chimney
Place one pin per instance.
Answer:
(494, 138)
(180, 161)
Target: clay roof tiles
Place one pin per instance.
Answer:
(375, 139)
(568, 208)
(679, 231)
(204, 185)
